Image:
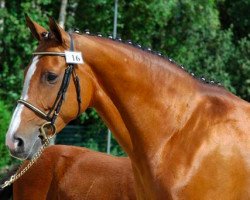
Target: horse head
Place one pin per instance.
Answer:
(48, 95)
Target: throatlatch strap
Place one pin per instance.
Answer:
(76, 80)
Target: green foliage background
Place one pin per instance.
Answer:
(4, 121)
(210, 38)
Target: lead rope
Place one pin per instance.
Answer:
(19, 173)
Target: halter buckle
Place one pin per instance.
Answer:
(47, 125)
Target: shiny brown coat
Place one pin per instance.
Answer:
(74, 173)
(186, 139)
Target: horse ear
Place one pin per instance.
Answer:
(35, 28)
(58, 32)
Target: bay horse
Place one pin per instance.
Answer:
(75, 173)
(186, 139)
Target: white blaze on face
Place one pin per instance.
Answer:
(16, 117)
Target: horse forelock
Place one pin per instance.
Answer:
(52, 45)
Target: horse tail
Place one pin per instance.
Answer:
(7, 192)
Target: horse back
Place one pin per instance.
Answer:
(65, 172)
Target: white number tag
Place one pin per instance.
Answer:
(73, 57)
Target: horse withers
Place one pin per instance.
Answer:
(75, 173)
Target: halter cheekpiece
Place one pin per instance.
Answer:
(52, 115)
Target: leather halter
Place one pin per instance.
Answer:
(52, 115)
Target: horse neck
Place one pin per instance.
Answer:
(152, 95)
(110, 114)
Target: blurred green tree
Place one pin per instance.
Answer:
(4, 122)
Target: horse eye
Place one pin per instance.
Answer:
(51, 77)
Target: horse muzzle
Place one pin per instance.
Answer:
(23, 148)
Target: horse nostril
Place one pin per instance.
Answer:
(19, 143)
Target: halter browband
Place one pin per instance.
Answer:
(52, 115)
(49, 53)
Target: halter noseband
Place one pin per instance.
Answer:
(52, 115)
